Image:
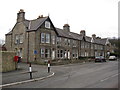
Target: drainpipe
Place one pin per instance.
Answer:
(28, 49)
(28, 43)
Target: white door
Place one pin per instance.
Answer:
(20, 54)
(53, 55)
(65, 54)
(68, 54)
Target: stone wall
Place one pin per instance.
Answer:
(7, 60)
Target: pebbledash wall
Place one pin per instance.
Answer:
(7, 61)
(39, 40)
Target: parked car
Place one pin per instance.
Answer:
(112, 58)
(100, 59)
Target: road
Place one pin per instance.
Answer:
(89, 75)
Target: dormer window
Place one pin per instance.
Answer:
(47, 24)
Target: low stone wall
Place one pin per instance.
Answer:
(7, 60)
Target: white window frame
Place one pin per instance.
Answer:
(61, 53)
(58, 53)
(82, 45)
(47, 24)
(68, 42)
(21, 38)
(58, 41)
(16, 39)
(47, 38)
(42, 37)
(47, 53)
(42, 52)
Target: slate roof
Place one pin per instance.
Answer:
(88, 39)
(103, 41)
(71, 35)
(35, 24)
(32, 24)
(100, 41)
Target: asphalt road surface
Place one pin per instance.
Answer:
(88, 75)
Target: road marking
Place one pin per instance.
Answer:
(10, 84)
(109, 77)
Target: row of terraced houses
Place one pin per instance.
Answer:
(40, 40)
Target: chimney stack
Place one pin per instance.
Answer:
(82, 32)
(66, 27)
(94, 36)
(21, 15)
(41, 16)
(98, 37)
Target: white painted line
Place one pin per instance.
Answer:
(108, 77)
(10, 84)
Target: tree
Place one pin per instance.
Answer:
(2, 42)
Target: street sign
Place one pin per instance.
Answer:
(35, 52)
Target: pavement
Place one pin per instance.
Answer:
(22, 75)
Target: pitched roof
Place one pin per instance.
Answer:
(103, 41)
(34, 24)
(88, 39)
(9, 33)
(70, 35)
(100, 41)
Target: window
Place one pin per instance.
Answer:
(47, 53)
(95, 46)
(102, 47)
(75, 53)
(42, 37)
(68, 42)
(16, 39)
(82, 54)
(47, 24)
(65, 40)
(92, 46)
(88, 46)
(42, 52)
(53, 39)
(47, 38)
(21, 38)
(61, 53)
(82, 44)
(74, 43)
(58, 53)
(58, 41)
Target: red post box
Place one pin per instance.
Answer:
(16, 58)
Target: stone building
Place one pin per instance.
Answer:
(40, 40)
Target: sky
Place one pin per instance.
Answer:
(98, 17)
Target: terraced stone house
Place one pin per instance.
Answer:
(40, 40)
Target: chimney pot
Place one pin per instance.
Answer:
(66, 27)
(94, 36)
(82, 32)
